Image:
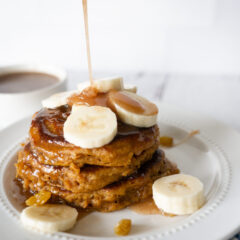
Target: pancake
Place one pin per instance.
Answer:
(75, 179)
(130, 189)
(47, 140)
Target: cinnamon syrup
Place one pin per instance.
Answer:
(148, 207)
(131, 104)
(25, 82)
(91, 97)
(85, 13)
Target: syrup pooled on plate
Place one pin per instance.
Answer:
(148, 207)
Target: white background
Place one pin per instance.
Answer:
(183, 36)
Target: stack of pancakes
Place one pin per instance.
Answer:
(107, 178)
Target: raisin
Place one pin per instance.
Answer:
(166, 141)
(123, 227)
(38, 199)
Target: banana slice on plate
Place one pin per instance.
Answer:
(57, 99)
(178, 194)
(133, 109)
(90, 127)
(49, 218)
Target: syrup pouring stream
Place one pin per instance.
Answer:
(85, 12)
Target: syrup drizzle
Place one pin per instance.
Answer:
(148, 207)
(187, 137)
(85, 12)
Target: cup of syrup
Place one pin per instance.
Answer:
(22, 87)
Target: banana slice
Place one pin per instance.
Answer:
(133, 109)
(90, 127)
(130, 88)
(107, 84)
(178, 194)
(57, 99)
(114, 84)
(49, 218)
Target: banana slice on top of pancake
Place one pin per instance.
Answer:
(107, 84)
(90, 127)
(130, 88)
(57, 99)
(104, 85)
(133, 109)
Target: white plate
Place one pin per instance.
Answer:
(213, 156)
